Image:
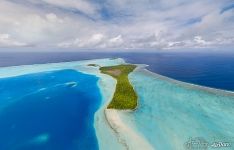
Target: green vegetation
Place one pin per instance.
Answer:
(124, 97)
(93, 65)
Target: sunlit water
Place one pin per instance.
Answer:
(171, 113)
(55, 110)
(212, 69)
(48, 110)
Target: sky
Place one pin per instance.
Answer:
(116, 24)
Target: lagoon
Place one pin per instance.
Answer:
(169, 114)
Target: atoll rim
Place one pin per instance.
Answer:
(169, 114)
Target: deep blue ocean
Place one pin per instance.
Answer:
(214, 69)
(55, 110)
(48, 111)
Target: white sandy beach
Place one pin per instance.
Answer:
(107, 122)
(125, 133)
(168, 113)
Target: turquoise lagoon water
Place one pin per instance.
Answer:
(56, 110)
(48, 110)
(171, 114)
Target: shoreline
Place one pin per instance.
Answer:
(110, 123)
(142, 67)
(125, 97)
(189, 85)
(125, 134)
(82, 63)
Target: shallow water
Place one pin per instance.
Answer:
(212, 69)
(170, 113)
(48, 110)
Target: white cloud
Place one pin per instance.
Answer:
(67, 44)
(117, 24)
(53, 18)
(93, 41)
(81, 5)
(116, 41)
(7, 41)
(199, 40)
(96, 39)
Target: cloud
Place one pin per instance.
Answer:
(200, 40)
(53, 18)
(96, 40)
(7, 41)
(111, 24)
(83, 6)
(116, 41)
(93, 41)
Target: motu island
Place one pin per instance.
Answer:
(107, 103)
(124, 97)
